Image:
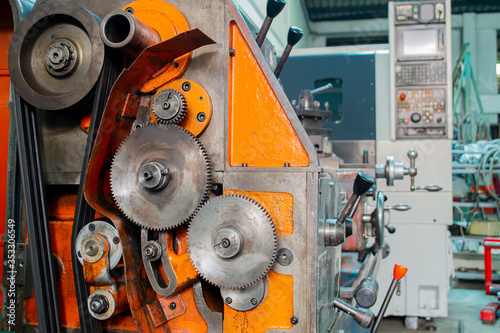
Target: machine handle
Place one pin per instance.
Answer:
(399, 273)
(274, 7)
(399, 207)
(323, 89)
(430, 188)
(362, 183)
(294, 36)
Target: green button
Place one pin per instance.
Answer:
(415, 9)
(401, 120)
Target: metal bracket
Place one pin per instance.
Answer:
(159, 285)
(21, 253)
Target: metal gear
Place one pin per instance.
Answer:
(232, 241)
(160, 176)
(169, 106)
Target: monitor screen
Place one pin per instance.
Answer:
(423, 42)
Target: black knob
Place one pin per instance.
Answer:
(390, 229)
(294, 35)
(439, 120)
(274, 7)
(416, 117)
(362, 183)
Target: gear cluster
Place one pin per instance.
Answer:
(160, 178)
(169, 106)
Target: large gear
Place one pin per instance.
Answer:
(160, 176)
(232, 241)
(169, 106)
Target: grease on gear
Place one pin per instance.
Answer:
(169, 106)
(160, 176)
(232, 241)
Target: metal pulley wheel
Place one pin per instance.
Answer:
(232, 242)
(56, 55)
(86, 240)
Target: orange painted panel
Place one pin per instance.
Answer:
(260, 133)
(274, 313)
(278, 204)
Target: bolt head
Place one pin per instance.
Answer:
(172, 306)
(294, 320)
(229, 300)
(116, 240)
(254, 301)
(91, 227)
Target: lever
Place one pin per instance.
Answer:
(400, 207)
(294, 36)
(362, 183)
(334, 231)
(366, 318)
(274, 7)
(399, 273)
(323, 89)
(363, 317)
(412, 172)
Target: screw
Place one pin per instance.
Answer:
(149, 251)
(91, 227)
(294, 320)
(129, 10)
(254, 301)
(172, 306)
(116, 240)
(137, 127)
(232, 52)
(176, 64)
(229, 300)
(186, 86)
(201, 117)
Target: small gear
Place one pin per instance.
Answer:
(232, 241)
(169, 106)
(160, 176)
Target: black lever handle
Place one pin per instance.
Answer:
(274, 7)
(361, 185)
(294, 36)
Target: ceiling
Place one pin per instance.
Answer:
(340, 10)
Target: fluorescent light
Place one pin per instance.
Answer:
(498, 69)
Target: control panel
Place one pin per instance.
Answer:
(420, 73)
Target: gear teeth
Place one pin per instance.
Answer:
(208, 177)
(275, 238)
(181, 114)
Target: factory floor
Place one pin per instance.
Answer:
(465, 302)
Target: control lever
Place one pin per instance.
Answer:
(362, 183)
(334, 231)
(366, 318)
(392, 171)
(399, 273)
(294, 36)
(274, 7)
(401, 208)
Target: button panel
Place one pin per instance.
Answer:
(421, 73)
(426, 110)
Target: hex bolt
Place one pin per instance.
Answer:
(294, 320)
(229, 300)
(116, 240)
(99, 304)
(149, 251)
(232, 52)
(172, 306)
(186, 86)
(201, 117)
(254, 301)
(129, 10)
(91, 227)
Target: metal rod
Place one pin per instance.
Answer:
(384, 305)
(320, 90)
(264, 30)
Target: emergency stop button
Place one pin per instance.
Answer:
(402, 97)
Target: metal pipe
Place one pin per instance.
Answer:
(121, 30)
(320, 90)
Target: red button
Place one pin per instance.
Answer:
(407, 120)
(402, 97)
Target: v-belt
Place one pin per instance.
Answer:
(84, 214)
(36, 216)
